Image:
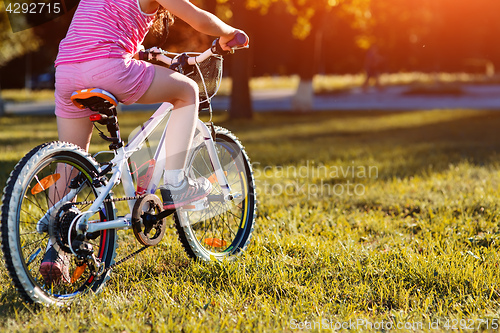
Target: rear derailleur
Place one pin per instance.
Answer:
(63, 229)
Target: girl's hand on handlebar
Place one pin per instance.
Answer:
(237, 39)
(140, 49)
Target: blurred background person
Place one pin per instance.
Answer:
(374, 63)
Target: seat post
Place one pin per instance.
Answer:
(103, 102)
(114, 130)
(111, 121)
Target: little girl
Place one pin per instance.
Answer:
(100, 51)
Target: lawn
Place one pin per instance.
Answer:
(366, 220)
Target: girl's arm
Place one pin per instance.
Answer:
(200, 20)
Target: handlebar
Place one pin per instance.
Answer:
(239, 41)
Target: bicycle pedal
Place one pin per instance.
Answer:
(196, 206)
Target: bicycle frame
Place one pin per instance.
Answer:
(121, 172)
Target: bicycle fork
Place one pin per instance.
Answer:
(214, 160)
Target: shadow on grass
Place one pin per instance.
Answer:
(434, 90)
(5, 169)
(402, 142)
(11, 303)
(433, 144)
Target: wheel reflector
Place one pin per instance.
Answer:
(215, 242)
(45, 183)
(78, 272)
(213, 177)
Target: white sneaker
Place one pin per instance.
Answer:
(190, 190)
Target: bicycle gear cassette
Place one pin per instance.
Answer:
(59, 228)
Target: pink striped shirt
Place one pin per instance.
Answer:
(104, 29)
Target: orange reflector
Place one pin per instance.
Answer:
(189, 207)
(78, 273)
(215, 242)
(213, 177)
(45, 183)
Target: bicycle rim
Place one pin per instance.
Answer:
(35, 185)
(223, 229)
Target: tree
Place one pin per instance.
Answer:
(310, 26)
(311, 42)
(241, 103)
(241, 63)
(12, 44)
(237, 12)
(310, 23)
(211, 6)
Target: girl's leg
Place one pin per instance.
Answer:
(182, 92)
(75, 130)
(54, 266)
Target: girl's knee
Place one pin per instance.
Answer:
(192, 89)
(189, 95)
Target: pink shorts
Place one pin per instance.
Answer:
(127, 79)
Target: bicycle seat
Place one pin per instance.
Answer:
(95, 99)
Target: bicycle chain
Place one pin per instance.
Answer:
(111, 200)
(121, 261)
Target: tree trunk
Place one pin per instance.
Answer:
(210, 6)
(241, 63)
(303, 100)
(241, 103)
(2, 108)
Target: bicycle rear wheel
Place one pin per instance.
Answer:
(37, 183)
(223, 229)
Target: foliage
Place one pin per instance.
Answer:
(421, 244)
(430, 36)
(440, 35)
(13, 45)
(303, 10)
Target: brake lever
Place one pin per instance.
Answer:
(180, 63)
(150, 54)
(217, 49)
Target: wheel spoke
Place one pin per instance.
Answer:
(39, 181)
(27, 245)
(217, 227)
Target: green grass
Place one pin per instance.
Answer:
(24, 95)
(416, 240)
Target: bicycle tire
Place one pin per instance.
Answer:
(24, 204)
(223, 230)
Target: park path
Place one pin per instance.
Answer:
(391, 98)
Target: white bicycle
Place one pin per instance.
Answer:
(58, 195)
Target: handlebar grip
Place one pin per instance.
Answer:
(240, 39)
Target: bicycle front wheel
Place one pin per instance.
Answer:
(222, 230)
(32, 201)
